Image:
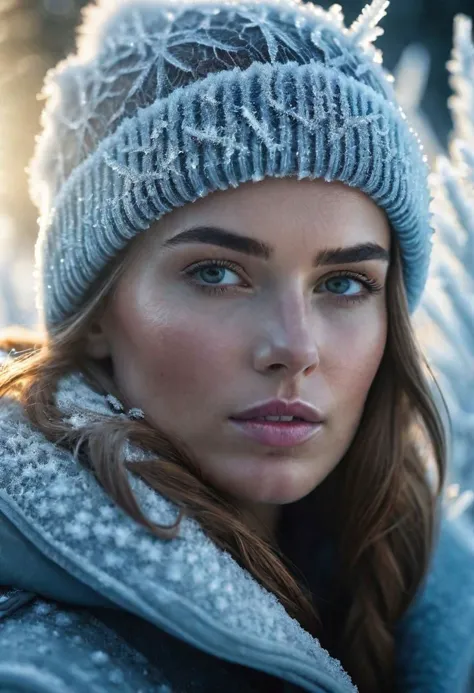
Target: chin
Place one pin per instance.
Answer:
(282, 498)
(272, 479)
(276, 489)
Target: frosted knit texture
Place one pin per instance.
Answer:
(165, 103)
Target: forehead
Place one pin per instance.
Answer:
(282, 210)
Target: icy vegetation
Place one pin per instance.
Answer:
(445, 318)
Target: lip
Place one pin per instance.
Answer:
(278, 434)
(280, 407)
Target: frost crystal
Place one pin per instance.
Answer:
(365, 29)
(63, 619)
(122, 536)
(461, 67)
(99, 657)
(131, 54)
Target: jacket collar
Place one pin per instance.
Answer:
(186, 586)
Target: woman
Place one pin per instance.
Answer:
(157, 533)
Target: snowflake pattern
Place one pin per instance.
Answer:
(131, 56)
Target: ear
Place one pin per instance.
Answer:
(97, 341)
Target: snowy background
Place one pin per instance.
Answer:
(438, 97)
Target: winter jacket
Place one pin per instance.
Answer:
(93, 603)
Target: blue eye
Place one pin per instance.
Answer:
(212, 272)
(341, 284)
(215, 271)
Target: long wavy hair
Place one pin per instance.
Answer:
(384, 492)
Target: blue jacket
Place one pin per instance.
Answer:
(100, 605)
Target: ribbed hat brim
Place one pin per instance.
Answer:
(234, 126)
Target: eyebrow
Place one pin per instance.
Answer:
(251, 246)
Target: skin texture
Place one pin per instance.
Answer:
(283, 329)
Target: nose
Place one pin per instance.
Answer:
(289, 343)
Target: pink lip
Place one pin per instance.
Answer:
(278, 434)
(281, 407)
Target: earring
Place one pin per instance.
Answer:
(115, 404)
(134, 414)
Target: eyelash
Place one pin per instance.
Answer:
(371, 285)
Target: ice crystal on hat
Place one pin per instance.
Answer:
(166, 102)
(132, 52)
(365, 30)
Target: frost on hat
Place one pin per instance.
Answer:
(165, 102)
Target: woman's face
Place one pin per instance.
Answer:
(194, 343)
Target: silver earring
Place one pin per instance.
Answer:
(134, 414)
(115, 404)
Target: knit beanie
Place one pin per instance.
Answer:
(166, 101)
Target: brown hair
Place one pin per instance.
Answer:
(383, 500)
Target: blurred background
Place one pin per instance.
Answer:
(36, 34)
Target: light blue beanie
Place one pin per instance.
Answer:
(169, 100)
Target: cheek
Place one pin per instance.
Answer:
(363, 353)
(184, 358)
(354, 359)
